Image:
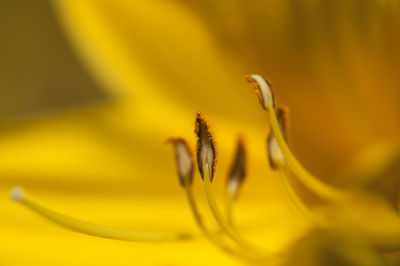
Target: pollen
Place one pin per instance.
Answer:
(206, 145)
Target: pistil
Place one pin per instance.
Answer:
(18, 195)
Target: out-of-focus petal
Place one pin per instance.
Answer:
(325, 64)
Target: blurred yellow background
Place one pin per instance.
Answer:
(90, 90)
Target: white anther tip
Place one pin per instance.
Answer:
(17, 194)
(263, 89)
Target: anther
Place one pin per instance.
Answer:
(184, 161)
(206, 163)
(237, 172)
(206, 146)
(263, 90)
(283, 116)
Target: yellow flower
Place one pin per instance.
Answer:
(164, 61)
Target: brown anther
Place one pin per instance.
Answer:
(184, 160)
(206, 145)
(237, 172)
(283, 116)
(263, 89)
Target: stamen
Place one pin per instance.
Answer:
(277, 162)
(237, 172)
(206, 161)
(263, 89)
(17, 194)
(206, 152)
(235, 178)
(184, 160)
(320, 188)
(185, 173)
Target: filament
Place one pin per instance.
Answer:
(76, 225)
(212, 237)
(225, 226)
(229, 200)
(323, 190)
(296, 202)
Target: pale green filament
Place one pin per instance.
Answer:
(211, 236)
(323, 190)
(229, 202)
(93, 229)
(296, 202)
(225, 226)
